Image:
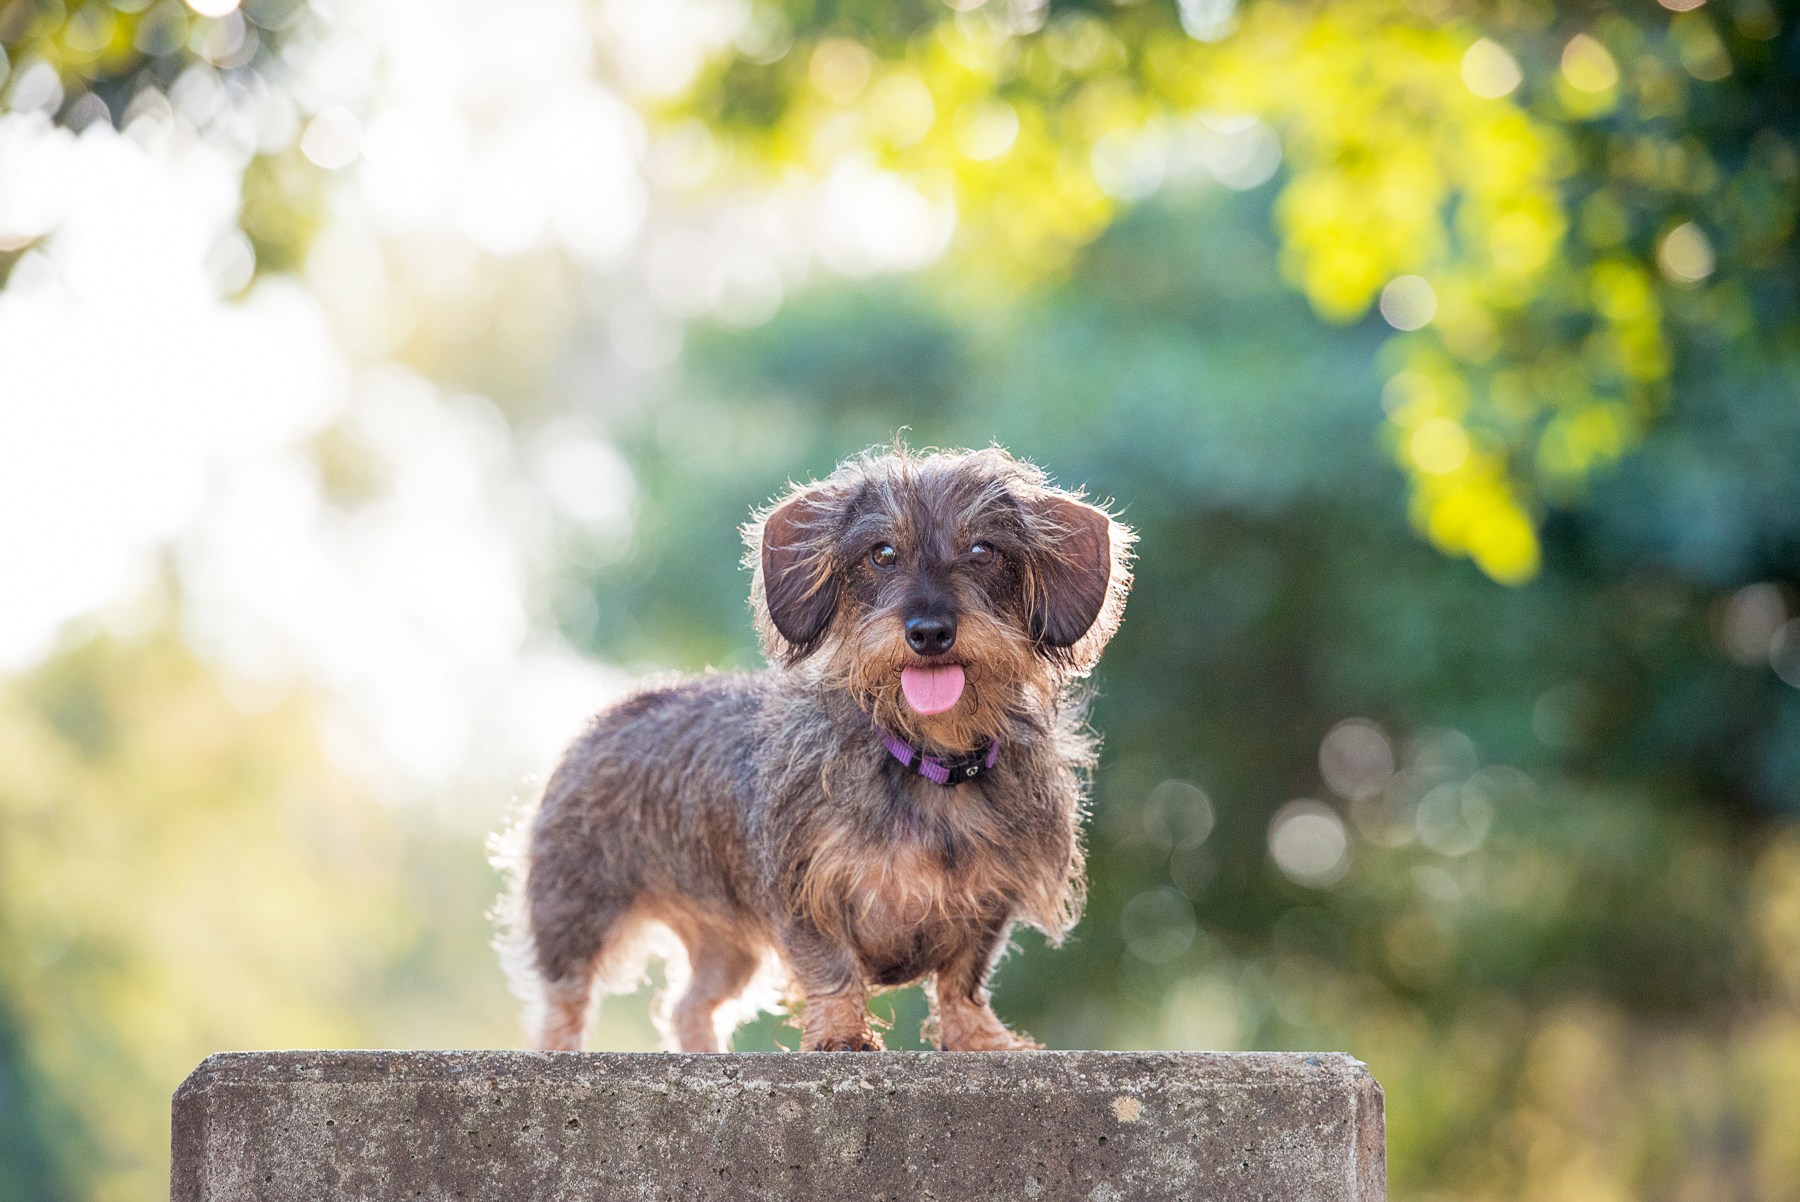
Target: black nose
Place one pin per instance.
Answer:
(931, 636)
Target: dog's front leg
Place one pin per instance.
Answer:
(838, 1022)
(835, 1017)
(965, 1019)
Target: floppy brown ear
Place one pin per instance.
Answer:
(799, 586)
(1070, 585)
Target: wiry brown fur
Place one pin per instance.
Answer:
(761, 820)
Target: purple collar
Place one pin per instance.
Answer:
(942, 771)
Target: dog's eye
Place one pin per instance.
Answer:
(884, 556)
(982, 554)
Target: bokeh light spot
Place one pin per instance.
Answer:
(902, 109)
(228, 42)
(751, 290)
(1686, 254)
(1408, 302)
(37, 86)
(90, 29)
(1489, 71)
(1750, 620)
(333, 139)
(1697, 44)
(1453, 819)
(1209, 20)
(85, 112)
(1159, 925)
(1386, 818)
(839, 69)
(163, 29)
(1587, 65)
(1441, 753)
(766, 36)
(1240, 151)
(1356, 759)
(232, 262)
(987, 130)
(1178, 815)
(1309, 843)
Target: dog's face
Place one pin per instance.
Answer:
(943, 590)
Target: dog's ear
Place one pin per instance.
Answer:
(800, 587)
(1069, 585)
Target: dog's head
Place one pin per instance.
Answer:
(944, 589)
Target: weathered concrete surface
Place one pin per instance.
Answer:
(1096, 1126)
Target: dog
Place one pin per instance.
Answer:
(881, 806)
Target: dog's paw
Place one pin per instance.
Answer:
(869, 1042)
(994, 1041)
(976, 1028)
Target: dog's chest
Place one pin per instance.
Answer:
(904, 887)
(909, 907)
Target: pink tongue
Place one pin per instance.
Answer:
(932, 690)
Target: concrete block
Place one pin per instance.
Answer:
(512, 1126)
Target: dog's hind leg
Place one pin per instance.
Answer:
(565, 1015)
(570, 946)
(722, 967)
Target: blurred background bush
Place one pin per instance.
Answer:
(381, 385)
